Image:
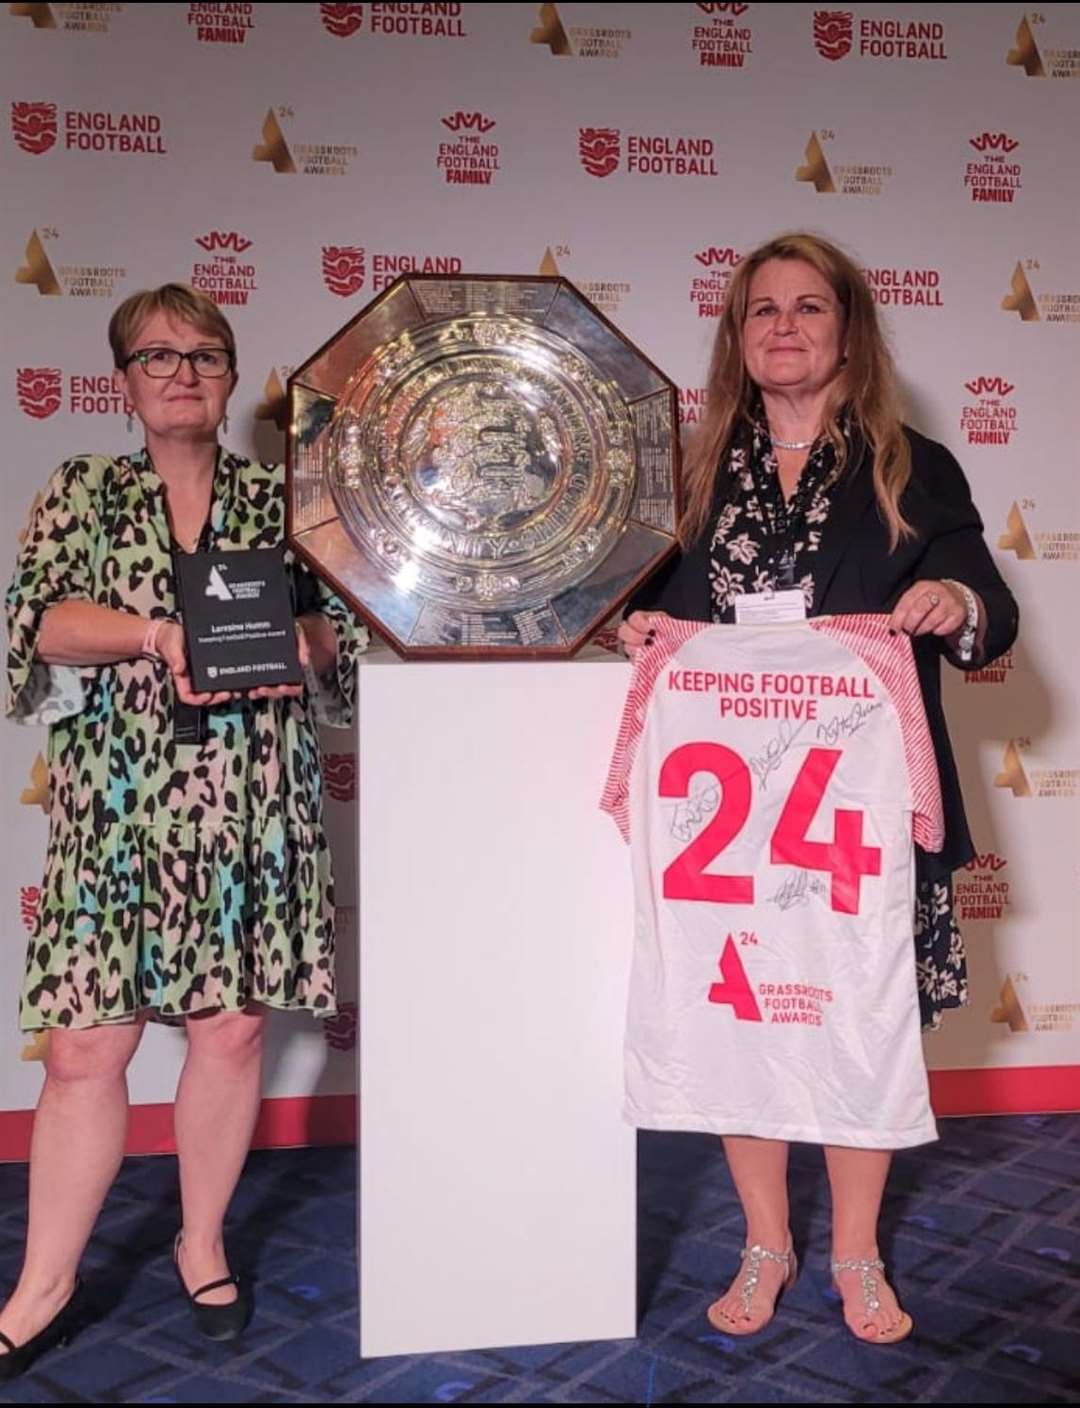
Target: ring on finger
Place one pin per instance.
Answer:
(935, 600)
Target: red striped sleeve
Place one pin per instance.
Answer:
(893, 662)
(670, 636)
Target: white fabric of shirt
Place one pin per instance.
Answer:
(810, 1029)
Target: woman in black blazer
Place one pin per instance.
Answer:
(803, 477)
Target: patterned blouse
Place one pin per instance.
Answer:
(755, 528)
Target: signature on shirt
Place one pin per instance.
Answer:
(798, 890)
(689, 815)
(772, 755)
(844, 725)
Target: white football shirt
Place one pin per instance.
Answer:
(769, 780)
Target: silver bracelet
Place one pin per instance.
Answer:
(965, 643)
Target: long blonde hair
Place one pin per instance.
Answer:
(865, 387)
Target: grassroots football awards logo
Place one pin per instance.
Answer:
(275, 403)
(836, 33)
(995, 177)
(601, 153)
(224, 272)
(288, 157)
(1044, 545)
(607, 294)
(579, 41)
(1021, 1012)
(39, 390)
(341, 20)
(33, 125)
(37, 793)
(82, 17)
(51, 278)
(1008, 1011)
(1022, 778)
(691, 404)
(709, 283)
(343, 268)
(470, 158)
(987, 417)
(221, 23)
(1041, 307)
(1038, 57)
(38, 269)
(829, 177)
(726, 40)
(981, 889)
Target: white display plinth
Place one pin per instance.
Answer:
(497, 1180)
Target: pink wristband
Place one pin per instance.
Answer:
(149, 645)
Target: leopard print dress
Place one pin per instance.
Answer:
(180, 878)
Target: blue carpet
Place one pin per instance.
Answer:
(981, 1231)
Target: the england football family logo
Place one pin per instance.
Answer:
(468, 155)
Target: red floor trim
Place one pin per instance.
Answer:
(331, 1119)
(1006, 1090)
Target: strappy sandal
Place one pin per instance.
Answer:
(867, 1268)
(747, 1282)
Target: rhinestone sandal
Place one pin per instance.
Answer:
(747, 1283)
(867, 1267)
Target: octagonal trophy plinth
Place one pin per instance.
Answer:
(482, 466)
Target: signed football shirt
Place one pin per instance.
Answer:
(770, 780)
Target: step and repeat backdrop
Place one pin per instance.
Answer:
(292, 159)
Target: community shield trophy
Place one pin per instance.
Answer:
(482, 465)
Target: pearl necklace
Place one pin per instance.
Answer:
(793, 444)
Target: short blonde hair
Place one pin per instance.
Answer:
(179, 301)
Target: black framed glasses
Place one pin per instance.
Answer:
(164, 362)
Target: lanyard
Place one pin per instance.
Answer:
(785, 520)
(190, 721)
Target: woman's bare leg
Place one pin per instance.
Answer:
(759, 1171)
(75, 1152)
(857, 1179)
(217, 1104)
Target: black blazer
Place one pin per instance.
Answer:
(854, 571)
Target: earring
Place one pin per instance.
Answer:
(225, 423)
(130, 423)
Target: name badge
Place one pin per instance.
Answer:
(765, 608)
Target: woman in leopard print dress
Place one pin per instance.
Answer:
(189, 882)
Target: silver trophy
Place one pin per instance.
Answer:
(482, 465)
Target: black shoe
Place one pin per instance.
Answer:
(63, 1327)
(217, 1322)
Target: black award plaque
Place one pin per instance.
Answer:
(238, 619)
